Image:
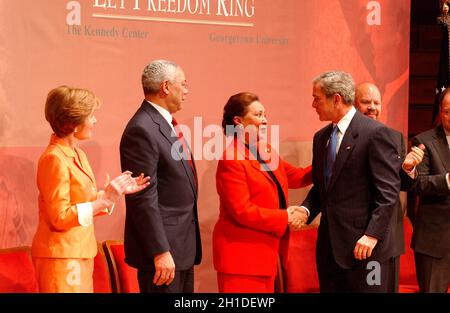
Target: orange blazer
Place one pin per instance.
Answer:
(64, 178)
(247, 235)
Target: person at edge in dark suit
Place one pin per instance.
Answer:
(431, 232)
(356, 177)
(162, 236)
(252, 182)
(368, 102)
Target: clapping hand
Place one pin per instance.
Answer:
(115, 188)
(124, 184)
(297, 217)
(414, 157)
(137, 184)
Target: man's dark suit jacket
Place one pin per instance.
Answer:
(362, 192)
(431, 234)
(163, 217)
(406, 182)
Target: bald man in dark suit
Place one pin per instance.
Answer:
(368, 101)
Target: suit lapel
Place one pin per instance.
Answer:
(277, 173)
(441, 145)
(259, 168)
(247, 155)
(76, 156)
(345, 149)
(171, 138)
(83, 165)
(164, 128)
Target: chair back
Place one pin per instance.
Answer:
(17, 273)
(101, 276)
(123, 276)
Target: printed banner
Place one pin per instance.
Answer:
(271, 48)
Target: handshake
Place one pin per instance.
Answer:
(297, 217)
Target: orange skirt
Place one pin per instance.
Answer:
(64, 275)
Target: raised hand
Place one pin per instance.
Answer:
(414, 157)
(115, 188)
(137, 184)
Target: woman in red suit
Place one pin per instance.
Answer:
(252, 182)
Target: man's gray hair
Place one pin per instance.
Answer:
(337, 82)
(155, 73)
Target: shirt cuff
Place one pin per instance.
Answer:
(111, 209)
(412, 173)
(307, 211)
(85, 215)
(108, 210)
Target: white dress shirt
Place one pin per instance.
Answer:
(85, 212)
(342, 128)
(164, 113)
(343, 125)
(447, 134)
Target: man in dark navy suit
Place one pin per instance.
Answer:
(162, 236)
(356, 179)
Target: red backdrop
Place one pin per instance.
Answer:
(273, 48)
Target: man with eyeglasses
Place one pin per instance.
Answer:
(162, 236)
(431, 233)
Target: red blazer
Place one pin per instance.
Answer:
(247, 235)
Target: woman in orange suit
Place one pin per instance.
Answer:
(252, 182)
(64, 245)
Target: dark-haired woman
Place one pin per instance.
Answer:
(252, 182)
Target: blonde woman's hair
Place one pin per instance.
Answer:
(66, 108)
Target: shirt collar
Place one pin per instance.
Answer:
(447, 134)
(66, 149)
(345, 121)
(165, 114)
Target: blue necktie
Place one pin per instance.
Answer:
(331, 155)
